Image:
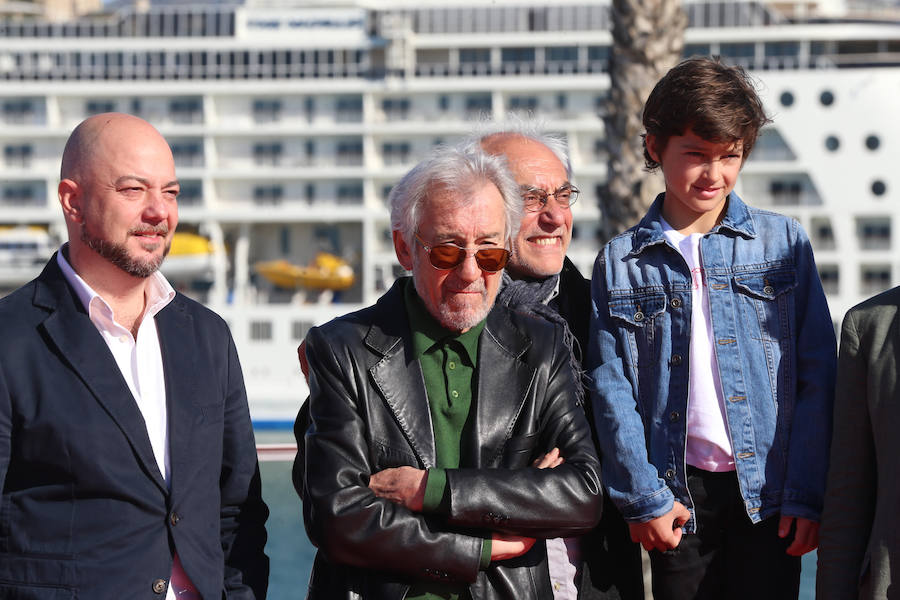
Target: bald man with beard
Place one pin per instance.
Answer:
(127, 459)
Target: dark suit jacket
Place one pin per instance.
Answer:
(859, 540)
(84, 511)
(369, 412)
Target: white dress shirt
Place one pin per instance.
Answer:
(140, 362)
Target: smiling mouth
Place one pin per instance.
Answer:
(545, 241)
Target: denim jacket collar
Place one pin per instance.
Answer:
(650, 230)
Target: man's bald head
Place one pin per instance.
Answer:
(118, 193)
(95, 135)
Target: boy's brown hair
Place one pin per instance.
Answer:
(717, 102)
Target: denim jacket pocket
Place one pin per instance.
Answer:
(638, 315)
(766, 299)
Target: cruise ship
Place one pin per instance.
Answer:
(290, 120)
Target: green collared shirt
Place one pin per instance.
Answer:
(449, 361)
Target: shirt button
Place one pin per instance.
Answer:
(452, 365)
(159, 586)
(675, 303)
(670, 473)
(673, 416)
(174, 518)
(676, 359)
(455, 394)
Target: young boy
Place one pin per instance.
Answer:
(713, 356)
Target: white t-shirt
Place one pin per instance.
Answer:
(708, 443)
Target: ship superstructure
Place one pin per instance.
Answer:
(290, 121)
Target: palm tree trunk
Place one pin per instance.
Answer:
(648, 38)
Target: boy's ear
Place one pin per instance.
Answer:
(650, 142)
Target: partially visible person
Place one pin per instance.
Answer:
(127, 460)
(713, 356)
(431, 462)
(541, 279)
(859, 549)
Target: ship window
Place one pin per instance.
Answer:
(95, 107)
(268, 194)
(523, 104)
(830, 277)
(872, 142)
(20, 195)
(875, 278)
(350, 152)
(874, 234)
(826, 98)
(395, 153)
(266, 111)
(512, 55)
(350, 193)
(562, 53)
(474, 55)
(260, 330)
(787, 99)
(187, 154)
(832, 143)
(191, 193)
(444, 103)
(395, 109)
(879, 187)
(268, 154)
(696, 50)
(18, 155)
(186, 110)
(299, 330)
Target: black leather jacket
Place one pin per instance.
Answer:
(369, 412)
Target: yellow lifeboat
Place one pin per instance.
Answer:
(189, 255)
(326, 272)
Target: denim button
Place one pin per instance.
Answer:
(676, 359)
(638, 316)
(768, 290)
(675, 303)
(670, 473)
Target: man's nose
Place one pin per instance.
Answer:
(469, 270)
(156, 209)
(553, 214)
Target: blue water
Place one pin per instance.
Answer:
(291, 554)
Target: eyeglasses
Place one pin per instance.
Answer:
(536, 199)
(449, 256)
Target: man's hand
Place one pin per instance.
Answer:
(401, 485)
(806, 535)
(505, 546)
(548, 461)
(662, 533)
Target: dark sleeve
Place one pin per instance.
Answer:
(804, 487)
(546, 503)
(850, 493)
(243, 512)
(343, 518)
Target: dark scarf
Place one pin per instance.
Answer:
(529, 296)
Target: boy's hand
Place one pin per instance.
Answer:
(505, 546)
(806, 534)
(662, 533)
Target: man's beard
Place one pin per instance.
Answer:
(117, 253)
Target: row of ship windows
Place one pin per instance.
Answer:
(189, 110)
(355, 63)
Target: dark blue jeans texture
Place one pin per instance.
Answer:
(729, 557)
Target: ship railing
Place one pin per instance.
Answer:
(276, 452)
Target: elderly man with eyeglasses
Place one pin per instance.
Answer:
(541, 279)
(433, 410)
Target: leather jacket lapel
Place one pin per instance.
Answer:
(400, 379)
(503, 385)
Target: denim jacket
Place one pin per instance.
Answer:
(775, 345)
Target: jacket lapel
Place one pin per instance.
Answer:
(400, 379)
(503, 384)
(79, 343)
(178, 346)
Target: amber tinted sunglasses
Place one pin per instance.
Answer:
(449, 256)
